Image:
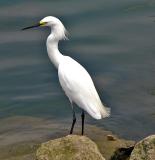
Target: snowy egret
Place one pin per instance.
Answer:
(74, 79)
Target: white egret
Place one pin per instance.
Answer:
(74, 79)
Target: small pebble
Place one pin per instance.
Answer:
(111, 138)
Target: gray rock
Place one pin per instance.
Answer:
(144, 150)
(71, 147)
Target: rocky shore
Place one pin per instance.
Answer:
(75, 147)
(97, 144)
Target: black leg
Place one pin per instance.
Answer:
(74, 120)
(83, 117)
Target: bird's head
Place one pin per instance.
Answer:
(58, 29)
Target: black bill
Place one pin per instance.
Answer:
(34, 26)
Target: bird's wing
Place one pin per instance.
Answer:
(79, 87)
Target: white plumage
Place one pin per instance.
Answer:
(79, 88)
(74, 79)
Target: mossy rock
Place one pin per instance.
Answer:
(144, 150)
(108, 147)
(71, 147)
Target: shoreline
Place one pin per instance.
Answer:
(21, 140)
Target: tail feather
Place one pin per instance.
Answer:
(98, 111)
(105, 111)
(95, 107)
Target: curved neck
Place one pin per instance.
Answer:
(53, 51)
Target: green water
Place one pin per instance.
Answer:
(114, 40)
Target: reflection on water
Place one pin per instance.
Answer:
(113, 40)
